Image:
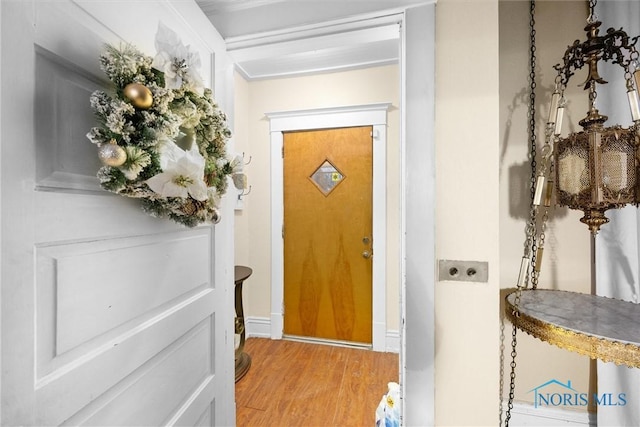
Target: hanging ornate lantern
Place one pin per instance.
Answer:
(596, 168)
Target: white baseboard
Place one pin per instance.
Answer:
(525, 414)
(260, 327)
(392, 342)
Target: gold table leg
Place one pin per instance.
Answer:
(243, 360)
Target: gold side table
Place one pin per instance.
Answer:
(243, 360)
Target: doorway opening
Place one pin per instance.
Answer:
(327, 232)
(375, 116)
(415, 43)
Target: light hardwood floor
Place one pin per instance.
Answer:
(303, 384)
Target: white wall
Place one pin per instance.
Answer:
(566, 263)
(467, 210)
(253, 100)
(243, 145)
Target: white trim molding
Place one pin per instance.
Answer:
(356, 42)
(257, 327)
(325, 118)
(418, 254)
(392, 341)
(260, 327)
(524, 414)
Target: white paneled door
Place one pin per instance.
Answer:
(108, 316)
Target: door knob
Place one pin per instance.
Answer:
(366, 254)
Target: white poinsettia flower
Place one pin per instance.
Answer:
(169, 151)
(182, 175)
(179, 64)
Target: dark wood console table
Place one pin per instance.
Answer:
(243, 360)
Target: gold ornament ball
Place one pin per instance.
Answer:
(139, 95)
(112, 155)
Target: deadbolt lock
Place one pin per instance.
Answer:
(366, 240)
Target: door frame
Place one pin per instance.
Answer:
(374, 115)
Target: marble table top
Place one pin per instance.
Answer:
(600, 327)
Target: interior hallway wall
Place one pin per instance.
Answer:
(467, 219)
(566, 261)
(253, 100)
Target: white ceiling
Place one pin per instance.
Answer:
(234, 18)
(273, 38)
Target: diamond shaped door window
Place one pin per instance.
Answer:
(326, 177)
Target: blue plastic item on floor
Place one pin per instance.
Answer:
(388, 412)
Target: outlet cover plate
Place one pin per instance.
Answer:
(463, 271)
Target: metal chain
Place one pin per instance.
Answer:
(502, 359)
(531, 114)
(542, 237)
(530, 241)
(592, 14)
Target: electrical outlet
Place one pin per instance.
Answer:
(463, 271)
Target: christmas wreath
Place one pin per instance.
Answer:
(161, 136)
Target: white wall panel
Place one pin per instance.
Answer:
(64, 158)
(78, 377)
(130, 277)
(175, 375)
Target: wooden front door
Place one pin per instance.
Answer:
(109, 316)
(328, 234)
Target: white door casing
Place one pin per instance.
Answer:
(109, 316)
(362, 115)
(418, 327)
